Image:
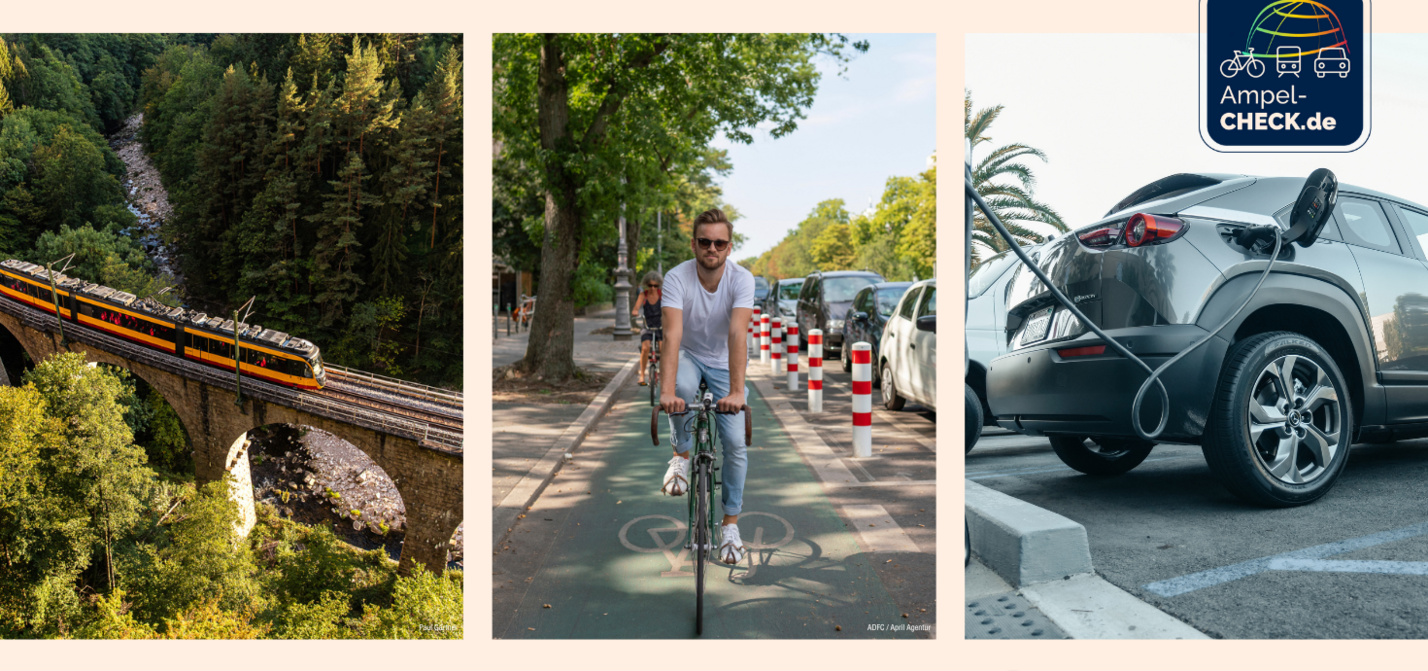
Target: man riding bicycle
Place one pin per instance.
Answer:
(706, 306)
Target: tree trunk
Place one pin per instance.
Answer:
(550, 350)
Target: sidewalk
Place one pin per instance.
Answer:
(523, 432)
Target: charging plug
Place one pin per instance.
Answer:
(1257, 239)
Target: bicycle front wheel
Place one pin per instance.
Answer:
(654, 383)
(702, 542)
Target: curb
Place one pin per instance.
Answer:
(503, 517)
(1022, 543)
(1047, 558)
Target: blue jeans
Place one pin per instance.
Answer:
(731, 427)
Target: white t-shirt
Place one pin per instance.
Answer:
(707, 315)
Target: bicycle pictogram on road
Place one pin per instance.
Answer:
(669, 540)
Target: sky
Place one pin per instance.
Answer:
(878, 120)
(1123, 113)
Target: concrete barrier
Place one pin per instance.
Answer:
(1022, 543)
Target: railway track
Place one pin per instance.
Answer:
(364, 397)
(379, 388)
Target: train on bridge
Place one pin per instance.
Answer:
(266, 354)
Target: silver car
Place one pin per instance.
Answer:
(986, 320)
(1332, 349)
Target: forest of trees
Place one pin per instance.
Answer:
(321, 173)
(897, 239)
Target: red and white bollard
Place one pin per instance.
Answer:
(791, 356)
(862, 399)
(815, 370)
(753, 335)
(764, 339)
(776, 343)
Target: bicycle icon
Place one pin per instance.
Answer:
(678, 556)
(1243, 61)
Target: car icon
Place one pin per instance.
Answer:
(1287, 61)
(1332, 61)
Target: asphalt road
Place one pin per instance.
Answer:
(1352, 565)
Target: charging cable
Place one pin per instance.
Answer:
(1066, 302)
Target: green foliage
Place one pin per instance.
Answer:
(897, 240)
(203, 562)
(321, 173)
(601, 122)
(1013, 202)
(425, 605)
(165, 441)
(102, 256)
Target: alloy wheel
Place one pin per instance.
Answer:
(1295, 419)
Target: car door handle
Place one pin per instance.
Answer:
(912, 346)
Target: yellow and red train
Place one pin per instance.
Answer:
(268, 355)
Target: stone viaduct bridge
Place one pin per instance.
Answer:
(425, 463)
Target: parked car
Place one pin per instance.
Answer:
(1331, 350)
(986, 321)
(783, 297)
(867, 316)
(908, 355)
(825, 299)
(761, 289)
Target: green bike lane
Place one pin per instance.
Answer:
(600, 554)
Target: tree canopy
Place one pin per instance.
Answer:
(597, 122)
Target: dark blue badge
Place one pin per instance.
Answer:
(1284, 75)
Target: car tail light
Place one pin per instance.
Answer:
(1147, 229)
(1101, 236)
(1081, 351)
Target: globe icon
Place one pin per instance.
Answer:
(1298, 30)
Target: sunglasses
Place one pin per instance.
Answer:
(652, 286)
(719, 245)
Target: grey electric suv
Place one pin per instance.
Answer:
(1332, 349)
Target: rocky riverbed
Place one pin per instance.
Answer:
(316, 478)
(147, 198)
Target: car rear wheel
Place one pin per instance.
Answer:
(1280, 423)
(974, 418)
(891, 399)
(1099, 455)
(847, 360)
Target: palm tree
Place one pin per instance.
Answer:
(1013, 202)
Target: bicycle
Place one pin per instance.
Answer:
(652, 371)
(1242, 61)
(524, 310)
(702, 472)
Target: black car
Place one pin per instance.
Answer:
(825, 300)
(865, 318)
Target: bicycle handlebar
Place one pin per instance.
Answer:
(748, 421)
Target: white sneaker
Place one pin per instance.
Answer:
(731, 547)
(676, 479)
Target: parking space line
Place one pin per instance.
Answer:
(1216, 576)
(878, 530)
(983, 475)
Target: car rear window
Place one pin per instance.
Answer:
(988, 272)
(789, 291)
(1169, 187)
(842, 289)
(887, 300)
